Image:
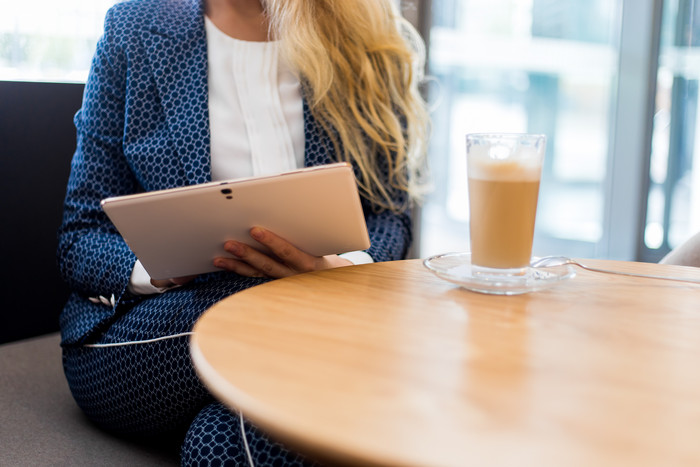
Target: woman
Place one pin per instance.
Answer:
(187, 91)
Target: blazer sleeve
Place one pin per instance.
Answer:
(92, 256)
(390, 235)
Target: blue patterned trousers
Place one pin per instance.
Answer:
(151, 389)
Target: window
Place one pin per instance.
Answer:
(673, 206)
(538, 66)
(45, 40)
(583, 72)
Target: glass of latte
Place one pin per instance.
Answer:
(504, 178)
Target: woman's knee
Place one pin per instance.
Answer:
(136, 389)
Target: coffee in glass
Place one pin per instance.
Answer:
(504, 177)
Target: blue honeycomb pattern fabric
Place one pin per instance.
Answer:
(143, 126)
(215, 438)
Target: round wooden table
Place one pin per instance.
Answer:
(387, 364)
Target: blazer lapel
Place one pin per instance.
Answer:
(177, 48)
(176, 45)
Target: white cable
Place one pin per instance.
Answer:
(146, 341)
(245, 441)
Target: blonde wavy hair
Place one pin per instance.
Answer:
(360, 64)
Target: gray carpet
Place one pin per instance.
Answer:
(42, 425)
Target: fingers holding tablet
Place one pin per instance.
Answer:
(285, 260)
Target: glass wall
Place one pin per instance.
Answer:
(47, 40)
(540, 66)
(673, 212)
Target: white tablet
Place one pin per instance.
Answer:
(178, 232)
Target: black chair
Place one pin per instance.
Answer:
(42, 425)
(37, 139)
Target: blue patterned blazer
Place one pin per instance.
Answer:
(144, 125)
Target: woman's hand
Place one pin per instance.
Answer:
(287, 261)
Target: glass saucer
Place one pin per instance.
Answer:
(458, 269)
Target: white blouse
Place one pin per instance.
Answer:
(256, 120)
(255, 108)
